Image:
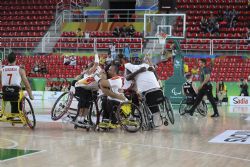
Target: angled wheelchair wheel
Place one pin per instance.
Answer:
(61, 106)
(183, 107)
(202, 108)
(129, 116)
(95, 112)
(169, 110)
(28, 113)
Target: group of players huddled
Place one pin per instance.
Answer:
(113, 80)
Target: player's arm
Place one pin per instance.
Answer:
(26, 83)
(130, 76)
(106, 89)
(96, 64)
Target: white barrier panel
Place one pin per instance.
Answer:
(239, 100)
(44, 99)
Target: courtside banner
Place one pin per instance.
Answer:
(239, 100)
(44, 99)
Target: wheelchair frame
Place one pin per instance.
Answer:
(198, 109)
(67, 108)
(166, 111)
(8, 116)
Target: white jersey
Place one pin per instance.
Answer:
(115, 85)
(11, 76)
(145, 80)
(88, 81)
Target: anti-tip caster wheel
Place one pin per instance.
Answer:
(165, 123)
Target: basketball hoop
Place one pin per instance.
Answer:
(162, 38)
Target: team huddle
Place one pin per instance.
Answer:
(138, 77)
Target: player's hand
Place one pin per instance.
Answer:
(120, 90)
(31, 97)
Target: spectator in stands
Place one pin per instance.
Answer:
(195, 72)
(112, 49)
(233, 18)
(244, 87)
(221, 91)
(186, 70)
(66, 60)
(36, 68)
(248, 34)
(131, 31)
(203, 25)
(65, 86)
(87, 36)
(43, 68)
(108, 59)
(126, 51)
(48, 85)
(227, 15)
(213, 25)
(123, 31)
(72, 60)
(116, 32)
(79, 33)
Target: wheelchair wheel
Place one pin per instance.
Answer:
(202, 108)
(28, 113)
(129, 117)
(61, 106)
(169, 110)
(183, 106)
(94, 112)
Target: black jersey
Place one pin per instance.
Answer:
(188, 89)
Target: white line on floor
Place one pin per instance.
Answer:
(142, 145)
(14, 143)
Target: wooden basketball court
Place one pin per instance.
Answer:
(185, 144)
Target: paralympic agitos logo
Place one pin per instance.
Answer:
(237, 100)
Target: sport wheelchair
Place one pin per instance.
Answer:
(25, 114)
(63, 107)
(154, 102)
(126, 114)
(188, 102)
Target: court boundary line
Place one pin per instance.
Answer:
(144, 145)
(12, 141)
(26, 155)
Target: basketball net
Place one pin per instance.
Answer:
(162, 38)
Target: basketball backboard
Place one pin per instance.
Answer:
(172, 24)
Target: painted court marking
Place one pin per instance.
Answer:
(142, 145)
(233, 137)
(26, 155)
(14, 143)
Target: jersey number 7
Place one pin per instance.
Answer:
(10, 77)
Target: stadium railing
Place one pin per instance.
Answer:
(108, 15)
(208, 46)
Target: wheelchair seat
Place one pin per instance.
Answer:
(154, 97)
(190, 99)
(11, 93)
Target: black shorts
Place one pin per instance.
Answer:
(85, 97)
(153, 99)
(110, 111)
